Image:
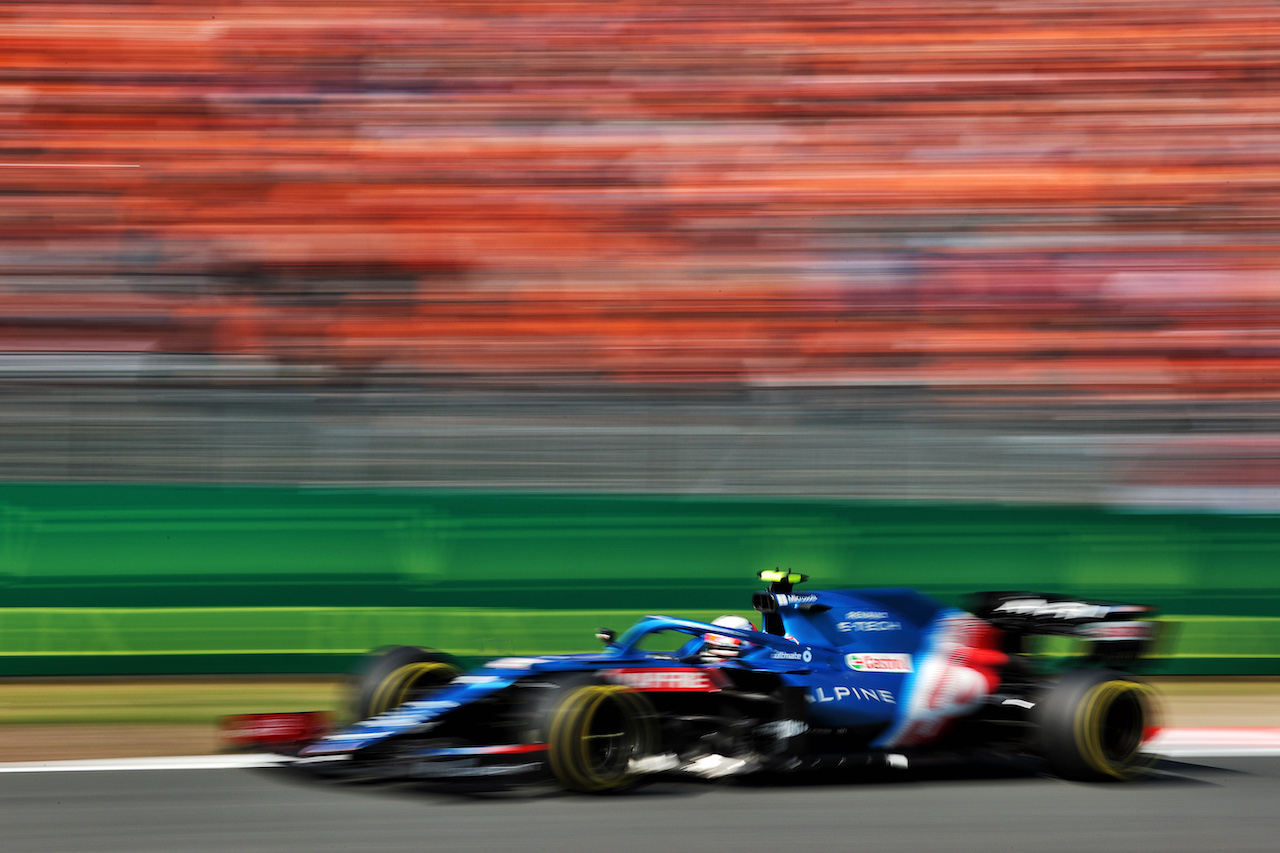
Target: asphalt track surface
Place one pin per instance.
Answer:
(1192, 804)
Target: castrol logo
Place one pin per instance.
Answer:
(869, 662)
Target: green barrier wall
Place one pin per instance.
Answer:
(121, 579)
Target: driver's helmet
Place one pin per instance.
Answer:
(720, 646)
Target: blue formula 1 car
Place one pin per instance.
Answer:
(836, 678)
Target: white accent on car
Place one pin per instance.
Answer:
(515, 663)
(716, 766)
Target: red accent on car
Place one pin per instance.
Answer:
(273, 731)
(981, 651)
(513, 749)
(667, 680)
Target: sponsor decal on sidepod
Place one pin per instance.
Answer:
(871, 662)
(664, 680)
(868, 625)
(839, 694)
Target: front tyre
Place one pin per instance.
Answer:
(1092, 724)
(594, 733)
(398, 675)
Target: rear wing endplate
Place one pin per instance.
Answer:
(1111, 631)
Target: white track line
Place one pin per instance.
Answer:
(1216, 742)
(177, 762)
(1173, 743)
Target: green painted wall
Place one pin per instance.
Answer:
(113, 578)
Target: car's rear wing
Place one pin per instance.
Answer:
(1111, 631)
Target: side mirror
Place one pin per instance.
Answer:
(606, 636)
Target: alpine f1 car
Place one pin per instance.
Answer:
(848, 677)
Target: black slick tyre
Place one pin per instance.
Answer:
(399, 674)
(594, 732)
(1091, 725)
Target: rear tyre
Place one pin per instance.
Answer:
(594, 733)
(400, 674)
(1092, 724)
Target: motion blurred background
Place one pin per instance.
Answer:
(1008, 258)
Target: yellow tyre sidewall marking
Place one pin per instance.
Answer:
(560, 739)
(396, 687)
(591, 708)
(570, 756)
(1088, 726)
(570, 751)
